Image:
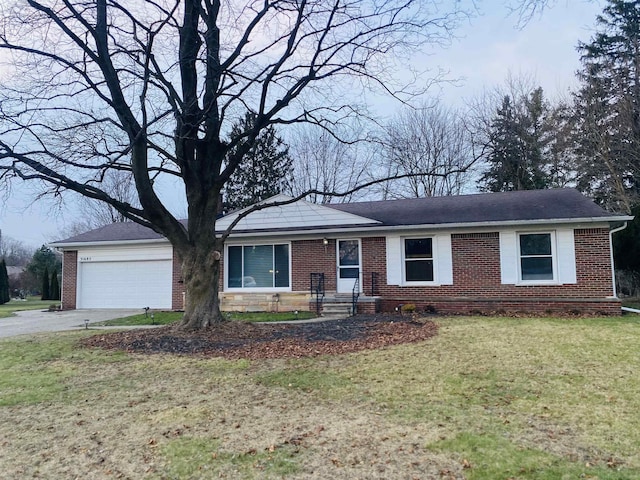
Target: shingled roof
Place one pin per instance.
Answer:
(565, 203)
(487, 208)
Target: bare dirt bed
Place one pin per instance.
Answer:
(263, 340)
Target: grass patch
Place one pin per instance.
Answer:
(487, 457)
(201, 458)
(31, 303)
(164, 318)
(36, 370)
(308, 379)
(631, 302)
(159, 318)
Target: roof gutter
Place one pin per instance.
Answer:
(429, 226)
(613, 268)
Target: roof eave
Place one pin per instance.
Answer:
(438, 226)
(106, 243)
(367, 228)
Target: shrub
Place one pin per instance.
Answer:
(408, 308)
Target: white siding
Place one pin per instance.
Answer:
(133, 252)
(293, 215)
(394, 260)
(444, 260)
(566, 256)
(509, 257)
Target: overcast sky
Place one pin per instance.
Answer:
(487, 50)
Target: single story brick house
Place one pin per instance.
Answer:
(539, 251)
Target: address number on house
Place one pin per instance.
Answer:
(85, 259)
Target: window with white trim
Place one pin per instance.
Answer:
(418, 260)
(536, 251)
(258, 266)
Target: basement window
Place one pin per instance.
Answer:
(258, 266)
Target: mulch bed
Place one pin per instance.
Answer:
(263, 340)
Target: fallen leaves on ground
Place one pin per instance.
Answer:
(254, 340)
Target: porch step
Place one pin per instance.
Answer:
(336, 308)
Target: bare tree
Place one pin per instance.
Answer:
(15, 252)
(152, 88)
(323, 164)
(95, 214)
(431, 139)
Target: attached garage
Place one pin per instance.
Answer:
(135, 277)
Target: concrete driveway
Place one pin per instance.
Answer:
(37, 321)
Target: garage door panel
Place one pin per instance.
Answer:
(131, 284)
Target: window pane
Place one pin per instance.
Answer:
(537, 268)
(418, 248)
(419, 271)
(258, 266)
(282, 265)
(235, 267)
(348, 251)
(535, 244)
(349, 272)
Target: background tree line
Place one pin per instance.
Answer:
(36, 272)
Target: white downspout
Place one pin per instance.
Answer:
(613, 269)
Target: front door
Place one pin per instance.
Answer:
(348, 265)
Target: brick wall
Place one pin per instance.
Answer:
(69, 279)
(477, 287)
(312, 256)
(476, 276)
(177, 284)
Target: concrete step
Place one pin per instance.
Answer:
(333, 308)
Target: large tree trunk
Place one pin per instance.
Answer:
(201, 275)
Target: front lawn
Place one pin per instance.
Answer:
(487, 398)
(31, 303)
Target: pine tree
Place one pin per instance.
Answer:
(516, 149)
(608, 109)
(46, 295)
(265, 171)
(55, 286)
(4, 283)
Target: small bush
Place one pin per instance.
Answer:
(408, 308)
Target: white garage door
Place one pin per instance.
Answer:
(131, 284)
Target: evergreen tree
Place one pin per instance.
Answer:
(42, 258)
(46, 295)
(607, 132)
(264, 171)
(55, 286)
(517, 141)
(4, 283)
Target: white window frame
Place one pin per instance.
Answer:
(434, 259)
(254, 289)
(554, 258)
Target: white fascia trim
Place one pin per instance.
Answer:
(75, 245)
(352, 230)
(587, 222)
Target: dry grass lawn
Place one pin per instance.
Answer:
(488, 398)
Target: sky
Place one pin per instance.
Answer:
(487, 49)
